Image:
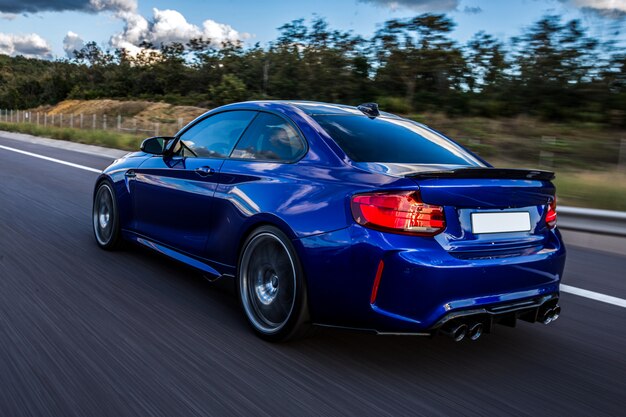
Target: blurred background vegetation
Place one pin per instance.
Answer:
(553, 97)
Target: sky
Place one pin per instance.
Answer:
(52, 29)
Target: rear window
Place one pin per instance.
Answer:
(392, 140)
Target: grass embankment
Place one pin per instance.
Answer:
(533, 142)
(106, 138)
(603, 190)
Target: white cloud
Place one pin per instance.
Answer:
(615, 9)
(417, 5)
(171, 26)
(114, 5)
(72, 42)
(30, 45)
(219, 32)
(168, 26)
(136, 29)
(602, 4)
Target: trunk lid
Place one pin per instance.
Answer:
(484, 206)
(501, 197)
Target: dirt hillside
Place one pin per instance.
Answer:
(143, 111)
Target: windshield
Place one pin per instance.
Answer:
(392, 140)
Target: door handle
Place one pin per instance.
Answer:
(130, 174)
(204, 171)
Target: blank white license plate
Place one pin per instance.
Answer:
(500, 222)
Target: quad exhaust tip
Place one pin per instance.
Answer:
(475, 331)
(456, 332)
(550, 315)
(460, 331)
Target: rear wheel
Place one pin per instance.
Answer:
(105, 217)
(271, 286)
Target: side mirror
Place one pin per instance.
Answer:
(155, 145)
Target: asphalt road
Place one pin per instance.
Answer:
(88, 333)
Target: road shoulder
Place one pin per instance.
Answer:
(63, 144)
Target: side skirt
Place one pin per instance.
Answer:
(210, 272)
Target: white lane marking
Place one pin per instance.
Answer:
(47, 158)
(594, 295)
(565, 288)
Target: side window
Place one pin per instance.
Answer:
(270, 138)
(215, 136)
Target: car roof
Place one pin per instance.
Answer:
(316, 108)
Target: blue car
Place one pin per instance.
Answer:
(341, 216)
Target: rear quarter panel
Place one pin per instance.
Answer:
(303, 199)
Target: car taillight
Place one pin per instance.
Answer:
(551, 214)
(399, 212)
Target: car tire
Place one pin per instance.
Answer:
(271, 286)
(105, 217)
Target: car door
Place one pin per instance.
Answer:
(260, 176)
(172, 195)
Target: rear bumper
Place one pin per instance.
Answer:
(421, 286)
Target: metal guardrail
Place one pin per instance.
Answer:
(606, 222)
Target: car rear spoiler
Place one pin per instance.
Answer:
(481, 172)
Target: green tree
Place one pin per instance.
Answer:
(417, 59)
(553, 61)
(231, 89)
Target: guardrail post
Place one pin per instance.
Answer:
(11, 115)
(37, 118)
(93, 126)
(72, 120)
(81, 120)
(104, 122)
(119, 122)
(156, 129)
(52, 121)
(45, 119)
(61, 120)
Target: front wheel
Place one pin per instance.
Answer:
(271, 286)
(105, 217)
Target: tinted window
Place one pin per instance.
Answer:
(270, 137)
(392, 140)
(215, 136)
